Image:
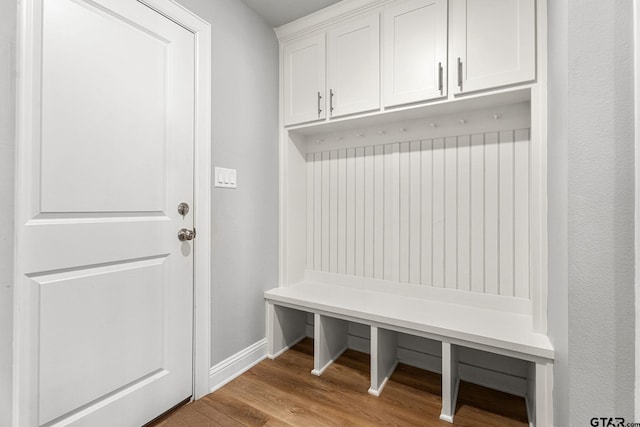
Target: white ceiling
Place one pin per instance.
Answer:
(279, 12)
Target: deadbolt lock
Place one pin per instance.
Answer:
(186, 234)
(183, 208)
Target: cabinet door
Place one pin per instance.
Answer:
(415, 51)
(354, 66)
(304, 78)
(493, 43)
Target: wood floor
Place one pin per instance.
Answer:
(283, 392)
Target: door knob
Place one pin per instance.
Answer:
(185, 234)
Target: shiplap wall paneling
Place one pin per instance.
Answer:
(310, 211)
(415, 212)
(491, 218)
(342, 211)
(505, 209)
(437, 209)
(369, 211)
(359, 213)
(404, 213)
(426, 212)
(448, 212)
(325, 209)
(378, 213)
(451, 213)
(476, 212)
(521, 213)
(333, 211)
(391, 197)
(351, 211)
(463, 212)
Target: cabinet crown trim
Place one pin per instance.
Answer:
(329, 16)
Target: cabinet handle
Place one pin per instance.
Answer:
(459, 73)
(331, 100)
(319, 109)
(440, 77)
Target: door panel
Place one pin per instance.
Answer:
(111, 286)
(495, 42)
(415, 50)
(354, 66)
(127, 342)
(124, 67)
(304, 80)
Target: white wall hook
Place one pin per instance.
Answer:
(381, 132)
(338, 138)
(359, 135)
(402, 129)
(496, 116)
(319, 140)
(433, 125)
(463, 121)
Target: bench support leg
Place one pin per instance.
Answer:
(384, 357)
(539, 394)
(285, 328)
(329, 341)
(450, 381)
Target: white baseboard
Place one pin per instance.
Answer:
(236, 365)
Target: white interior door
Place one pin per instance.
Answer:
(108, 283)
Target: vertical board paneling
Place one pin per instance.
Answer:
(351, 212)
(391, 208)
(325, 210)
(464, 219)
(426, 198)
(438, 212)
(359, 215)
(449, 212)
(317, 211)
(506, 213)
(415, 217)
(342, 211)
(378, 215)
(521, 213)
(310, 210)
(333, 211)
(369, 209)
(405, 195)
(491, 214)
(477, 213)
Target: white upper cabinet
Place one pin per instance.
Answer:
(493, 43)
(415, 51)
(354, 66)
(304, 80)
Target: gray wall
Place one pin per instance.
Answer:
(591, 208)
(7, 150)
(245, 137)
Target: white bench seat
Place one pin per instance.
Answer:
(504, 332)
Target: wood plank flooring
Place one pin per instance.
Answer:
(282, 392)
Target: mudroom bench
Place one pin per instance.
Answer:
(488, 323)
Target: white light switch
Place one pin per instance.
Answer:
(225, 178)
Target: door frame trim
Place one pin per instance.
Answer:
(24, 387)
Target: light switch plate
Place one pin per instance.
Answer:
(225, 178)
